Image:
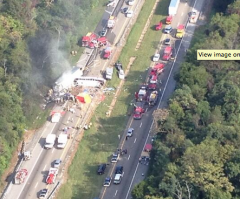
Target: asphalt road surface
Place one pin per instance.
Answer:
(134, 172)
(113, 35)
(42, 159)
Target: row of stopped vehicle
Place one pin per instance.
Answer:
(148, 93)
(159, 25)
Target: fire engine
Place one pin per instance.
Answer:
(20, 176)
(52, 174)
(180, 31)
(91, 40)
(107, 53)
(141, 95)
(152, 100)
(167, 53)
(169, 19)
(152, 84)
(157, 69)
(138, 111)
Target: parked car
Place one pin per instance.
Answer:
(101, 169)
(118, 175)
(129, 14)
(103, 32)
(125, 10)
(121, 74)
(168, 29)
(57, 163)
(43, 194)
(118, 65)
(119, 170)
(130, 132)
(167, 41)
(156, 57)
(107, 182)
(115, 157)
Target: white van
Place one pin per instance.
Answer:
(117, 178)
(50, 141)
(62, 141)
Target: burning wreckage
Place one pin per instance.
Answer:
(68, 81)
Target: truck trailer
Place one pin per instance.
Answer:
(172, 9)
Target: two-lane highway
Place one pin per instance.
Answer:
(133, 171)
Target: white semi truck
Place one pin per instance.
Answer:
(172, 9)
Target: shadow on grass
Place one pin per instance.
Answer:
(161, 8)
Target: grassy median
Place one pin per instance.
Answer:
(101, 140)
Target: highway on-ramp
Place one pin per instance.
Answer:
(134, 172)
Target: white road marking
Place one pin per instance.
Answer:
(182, 14)
(135, 140)
(186, 4)
(128, 157)
(141, 125)
(53, 150)
(116, 192)
(44, 167)
(178, 24)
(36, 185)
(146, 109)
(122, 174)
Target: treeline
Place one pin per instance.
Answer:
(36, 37)
(196, 154)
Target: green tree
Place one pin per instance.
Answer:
(184, 97)
(203, 165)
